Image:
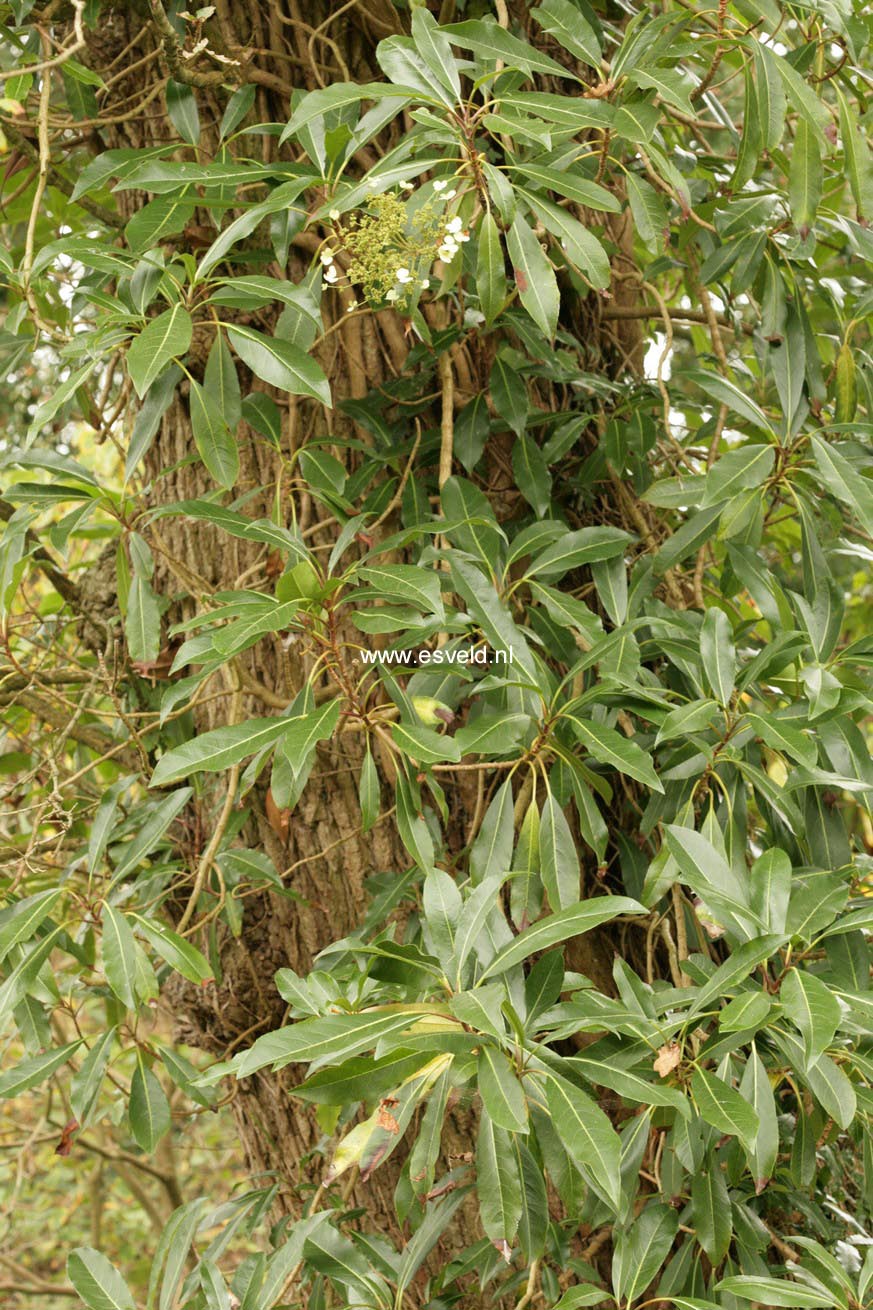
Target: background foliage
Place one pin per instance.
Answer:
(531, 329)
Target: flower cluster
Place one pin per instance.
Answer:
(387, 244)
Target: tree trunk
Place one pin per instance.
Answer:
(319, 849)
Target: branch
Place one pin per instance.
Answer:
(681, 316)
(174, 54)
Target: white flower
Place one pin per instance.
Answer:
(350, 309)
(454, 224)
(403, 275)
(326, 258)
(450, 195)
(372, 183)
(440, 186)
(447, 253)
(393, 294)
(406, 186)
(449, 240)
(334, 216)
(462, 236)
(330, 274)
(425, 283)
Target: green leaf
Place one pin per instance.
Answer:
(490, 271)
(24, 917)
(811, 1005)
(182, 109)
(486, 38)
(180, 954)
(857, 157)
(534, 276)
(587, 1135)
(30, 1073)
(806, 176)
(724, 1108)
(566, 24)
(711, 1213)
(98, 1282)
(86, 1083)
(771, 97)
(119, 955)
(559, 865)
(369, 791)
(641, 1249)
(336, 1037)
(756, 1089)
(498, 1185)
(219, 749)
(736, 470)
(617, 751)
(739, 966)
(279, 363)
(164, 338)
(708, 873)
(728, 393)
(423, 745)
(532, 474)
(501, 1091)
(783, 736)
(844, 482)
(648, 210)
(573, 549)
(148, 1108)
(770, 889)
(686, 719)
(572, 185)
(142, 623)
(570, 922)
(580, 246)
(215, 407)
(436, 50)
(717, 654)
(773, 1292)
(833, 1090)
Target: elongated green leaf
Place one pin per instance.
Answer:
(30, 1073)
(498, 1184)
(501, 1091)
(559, 861)
(641, 1249)
(813, 1007)
(617, 751)
(148, 1108)
(119, 955)
(587, 1134)
(570, 922)
(279, 363)
(217, 750)
(98, 1282)
(486, 38)
(216, 443)
(534, 276)
(773, 1291)
(490, 272)
(336, 1037)
(24, 918)
(724, 1108)
(163, 339)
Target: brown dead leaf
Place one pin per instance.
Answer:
(667, 1059)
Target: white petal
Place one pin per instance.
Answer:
(440, 186)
